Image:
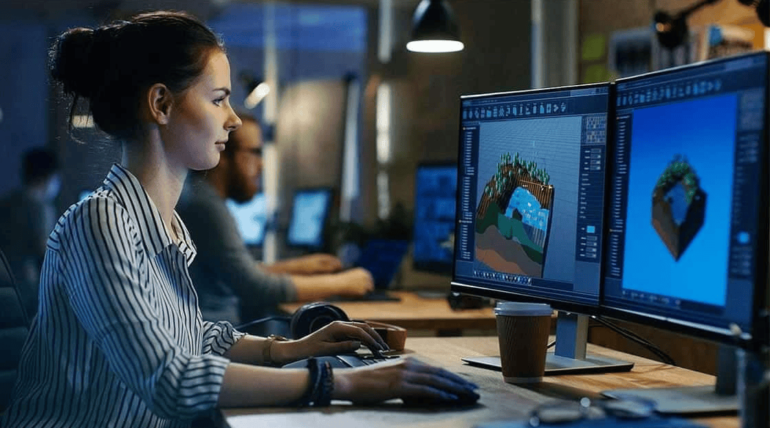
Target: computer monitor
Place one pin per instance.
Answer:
(434, 217)
(251, 218)
(310, 212)
(531, 175)
(687, 242)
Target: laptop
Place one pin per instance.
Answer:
(381, 257)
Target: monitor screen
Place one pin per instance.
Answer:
(530, 195)
(251, 218)
(434, 217)
(308, 218)
(685, 203)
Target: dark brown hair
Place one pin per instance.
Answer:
(112, 65)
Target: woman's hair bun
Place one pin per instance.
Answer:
(70, 61)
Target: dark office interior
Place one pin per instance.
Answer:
(370, 149)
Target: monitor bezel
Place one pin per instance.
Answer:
(431, 267)
(325, 224)
(759, 314)
(464, 287)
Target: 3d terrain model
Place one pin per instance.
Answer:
(678, 206)
(513, 217)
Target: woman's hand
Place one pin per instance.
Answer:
(412, 381)
(336, 338)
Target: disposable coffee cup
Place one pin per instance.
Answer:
(522, 331)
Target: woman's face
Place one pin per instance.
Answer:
(201, 119)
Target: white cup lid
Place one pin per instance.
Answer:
(523, 309)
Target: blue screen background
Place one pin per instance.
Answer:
(308, 218)
(434, 222)
(704, 131)
(251, 218)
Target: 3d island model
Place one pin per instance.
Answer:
(678, 206)
(513, 217)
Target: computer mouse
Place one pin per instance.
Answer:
(463, 400)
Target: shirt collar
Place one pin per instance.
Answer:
(155, 236)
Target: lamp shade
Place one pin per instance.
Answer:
(434, 28)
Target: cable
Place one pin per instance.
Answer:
(638, 339)
(260, 321)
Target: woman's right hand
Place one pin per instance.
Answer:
(407, 379)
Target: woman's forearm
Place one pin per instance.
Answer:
(253, 386)
(251, 350)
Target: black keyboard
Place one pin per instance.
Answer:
(344, 361)
(364, 360)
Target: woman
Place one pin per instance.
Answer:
(119, 340)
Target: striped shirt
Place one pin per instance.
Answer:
(118, 339)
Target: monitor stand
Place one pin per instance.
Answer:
(570, 355)
(709, 399)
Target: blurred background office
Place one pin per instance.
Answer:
(345, 106)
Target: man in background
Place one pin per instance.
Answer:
(231, 285)
(27, 217)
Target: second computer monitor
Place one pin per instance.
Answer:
(531, 177)
(434, 217)
(310, 212)
(687, 243)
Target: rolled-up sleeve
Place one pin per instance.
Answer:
(219, 337)
(107, 278)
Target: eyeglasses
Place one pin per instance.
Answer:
(256, 151)
(559, 412)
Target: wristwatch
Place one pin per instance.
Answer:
(267, 359)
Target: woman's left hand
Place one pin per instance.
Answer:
(335, 338)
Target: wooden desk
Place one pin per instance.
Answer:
(415, 313)
(499, 401)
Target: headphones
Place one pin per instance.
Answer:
(314, 316)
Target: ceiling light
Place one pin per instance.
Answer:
(256, 95)
(434, 28)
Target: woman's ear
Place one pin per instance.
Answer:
(160, 100)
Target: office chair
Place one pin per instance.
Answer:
(14, 325)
